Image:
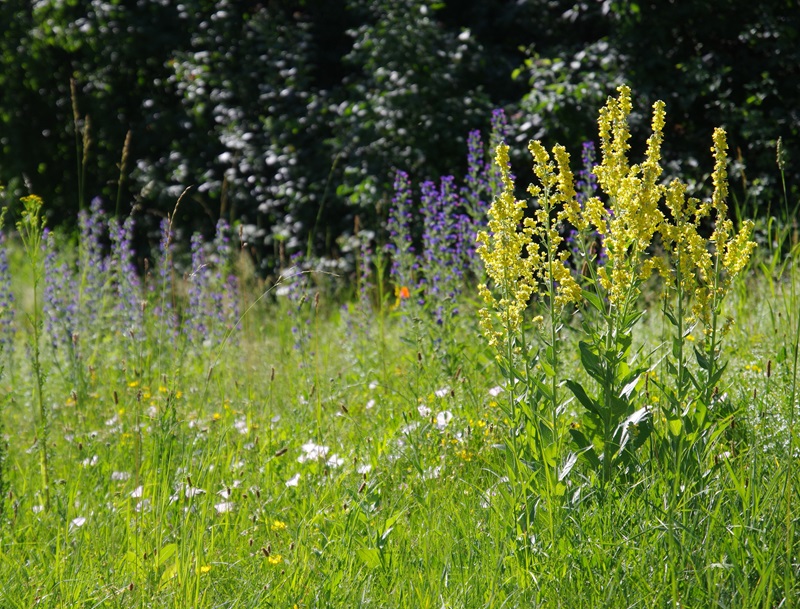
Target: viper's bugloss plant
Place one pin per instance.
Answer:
(6, 300)
(6, 343)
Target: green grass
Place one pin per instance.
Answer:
(171, 483)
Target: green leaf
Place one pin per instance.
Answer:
(675, 426)
(627, 390)
(591, 362)
(702, 359)
(594, 300)
(717, 375)
(580, 393)
(166, 553)
(586, 448)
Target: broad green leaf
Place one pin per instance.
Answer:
(594, 300)
(702, 359)
(165, 553)
(591, 362)
(586, 448)
(675, 426)
(627, 390)
(581, 395)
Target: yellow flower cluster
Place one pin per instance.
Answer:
(523, 257)
(521, 254)
(633, 196)
(557, 190)
(511, 272)
(702, 272)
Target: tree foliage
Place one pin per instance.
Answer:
(291, 117)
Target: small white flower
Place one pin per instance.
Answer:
(370, 404)
(495, 391)
(335, 461)
(423, 411)
(364, 469)
(433, 472)
(90, 462)
(224, 507)
(77, 522)
(409, 428)
(294, 480)
(241, 425)
(443, 419)
(312, 452)
(143, 506)
(192, 491)
(442, 393)
(120, 476)
(36, 509)
(137, 492)
(373, 385)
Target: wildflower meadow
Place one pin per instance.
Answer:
(570, 386)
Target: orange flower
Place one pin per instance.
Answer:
(403, 293)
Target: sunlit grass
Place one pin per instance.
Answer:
(345, 472)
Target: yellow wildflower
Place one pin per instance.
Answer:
(501, 250)
(633, 193)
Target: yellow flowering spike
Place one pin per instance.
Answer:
(634, 194)
(566, 190)
(720, 175)
(501, 249)
(739, 249)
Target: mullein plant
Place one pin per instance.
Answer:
(697, 277)
(525, 262)
(613, 423)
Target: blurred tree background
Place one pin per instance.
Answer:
(290, 117)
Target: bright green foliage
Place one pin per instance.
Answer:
(309, 461)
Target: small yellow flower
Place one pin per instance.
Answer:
(216, 416)
(275, 559)
(205, 569)
(277, 525)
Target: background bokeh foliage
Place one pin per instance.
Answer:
(291, 117)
